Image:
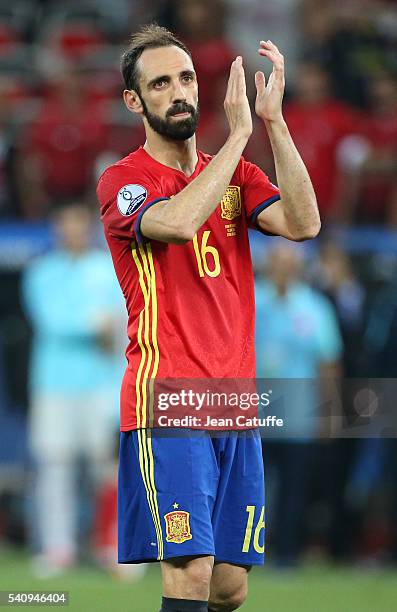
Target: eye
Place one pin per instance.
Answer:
(159, 84)
(187, 78)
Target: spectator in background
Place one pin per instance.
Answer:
(8, 136)
(297, 337)
(374, 472)
(334, 276)
(317, 24)
(348, 39)
(58, 152)
(381, 333)
(73, 303)
(319, 124)
(370, 162)
(253, 20)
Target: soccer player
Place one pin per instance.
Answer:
(176, 221)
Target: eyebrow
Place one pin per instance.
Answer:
(165, 77)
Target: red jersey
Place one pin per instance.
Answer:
(191, 308)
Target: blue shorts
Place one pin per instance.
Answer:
(191, 493)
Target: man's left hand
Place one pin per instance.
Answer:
(268, 105)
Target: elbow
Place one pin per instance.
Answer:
(183, 234)
(173, 234)
(312, 231)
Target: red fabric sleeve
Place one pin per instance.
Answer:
(124, 195)
(257, 191)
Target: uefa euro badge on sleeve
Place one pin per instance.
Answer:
(231, 203)
(177, 526)
(130, 198)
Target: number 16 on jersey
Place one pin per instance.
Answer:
(207, 256)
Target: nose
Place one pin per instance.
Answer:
(178, 92)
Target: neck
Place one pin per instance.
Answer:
(178, 154)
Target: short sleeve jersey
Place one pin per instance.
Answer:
(191, 307)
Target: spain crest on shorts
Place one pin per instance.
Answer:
(177, 526)
(231, 203)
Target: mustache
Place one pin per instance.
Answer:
(180, 107)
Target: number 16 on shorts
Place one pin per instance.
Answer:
(253, 531)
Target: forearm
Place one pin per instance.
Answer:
(179, 219)
(296, 189)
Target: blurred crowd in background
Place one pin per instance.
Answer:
(328, 308)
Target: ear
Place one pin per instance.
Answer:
(132, 101)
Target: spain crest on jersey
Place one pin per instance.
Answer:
(231, 203)
(177, 526)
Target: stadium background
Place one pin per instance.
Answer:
(62, 121)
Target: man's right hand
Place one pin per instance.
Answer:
(236, 103)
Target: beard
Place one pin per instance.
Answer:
(182, 129)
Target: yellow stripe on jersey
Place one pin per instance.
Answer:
(151, 277)
(146, 348)
(147, 282)
(138, 375)
(154, 333)
(143, 325)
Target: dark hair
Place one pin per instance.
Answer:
(150, 36)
